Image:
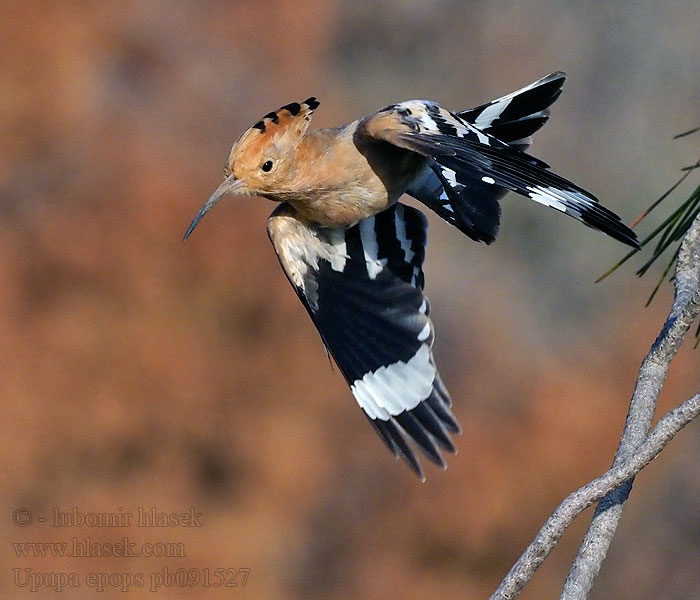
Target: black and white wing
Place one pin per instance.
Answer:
(363, 288)
(469, 169)
(466, 201)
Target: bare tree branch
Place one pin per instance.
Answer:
(637, 447)
(652, 376)
(584, 497)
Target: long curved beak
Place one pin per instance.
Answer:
(229, 186)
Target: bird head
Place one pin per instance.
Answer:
(263, 160)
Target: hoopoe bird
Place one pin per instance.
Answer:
(354, 254)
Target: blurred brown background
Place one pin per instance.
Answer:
(141, 372)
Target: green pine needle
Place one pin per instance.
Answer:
(671, 230)
(669, 233)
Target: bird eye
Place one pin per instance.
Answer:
(267, 166)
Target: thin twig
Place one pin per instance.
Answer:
(584, 497)
(652, 374)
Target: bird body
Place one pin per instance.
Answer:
(353, 253)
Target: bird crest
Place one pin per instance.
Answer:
(277, 132)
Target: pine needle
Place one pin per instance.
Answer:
(689, 132)
(671, 230)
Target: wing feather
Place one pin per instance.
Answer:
(363, 288)
(469, 169)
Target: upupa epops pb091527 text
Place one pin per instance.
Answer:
(354, 254)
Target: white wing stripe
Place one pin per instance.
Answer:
(450, 176)
(339, 254)
(375, 265)
(385, 393)
(492, 112)
(544, 196)
(425, 332)
(400, 225)
(364, 398)
(415, 379)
